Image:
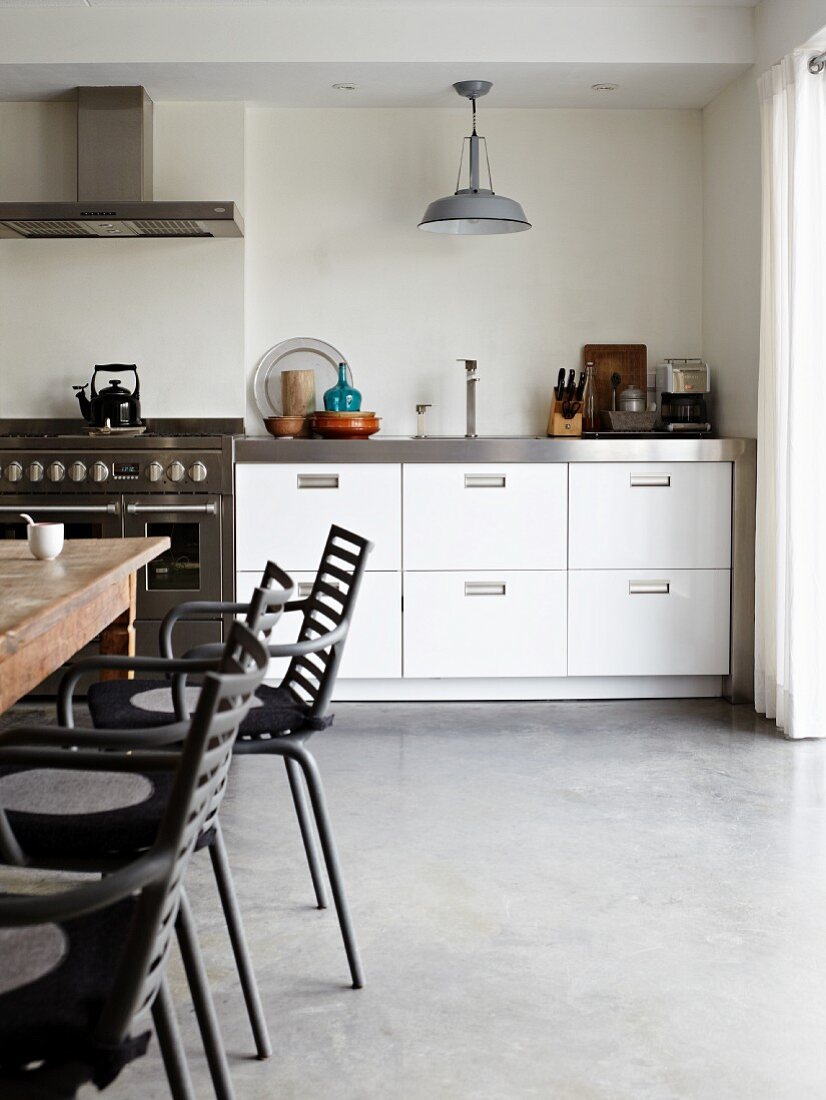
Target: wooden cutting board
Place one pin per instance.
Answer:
(630, 361)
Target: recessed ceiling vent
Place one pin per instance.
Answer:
(114, 182)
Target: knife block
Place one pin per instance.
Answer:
(559, 426)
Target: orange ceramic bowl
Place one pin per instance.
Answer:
(359, 425)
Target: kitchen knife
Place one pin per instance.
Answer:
(581, 387)
(560, 384)
(569, 389)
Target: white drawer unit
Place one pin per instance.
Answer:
(484, 624)
(485, 516)
(650, 514)
(374, 645)
(284, 511)
(648, 622)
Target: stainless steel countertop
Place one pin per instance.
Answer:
(487, 449)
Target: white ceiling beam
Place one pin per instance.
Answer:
(507, 32)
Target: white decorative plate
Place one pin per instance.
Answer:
(301, 353)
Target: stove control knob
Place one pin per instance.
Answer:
(197, 471)
(77, 471)
(56, 471)
(175, 471)
(35, 471)
(14, 471)
(154, 471)
(100, 471)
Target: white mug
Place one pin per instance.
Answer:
(45, 540)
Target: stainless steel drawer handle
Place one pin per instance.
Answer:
(65, 509)
(208, 509)
(649, 588)
(485, 588)
(485, 481)
(650, 481)
(318, 481)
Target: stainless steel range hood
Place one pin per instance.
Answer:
(114, 182)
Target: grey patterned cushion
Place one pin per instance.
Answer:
(83, 814)
(51, 1016)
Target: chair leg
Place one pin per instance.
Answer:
(202, 1000)
(172, 1051)
(312, 776)
(238, 939)
(304, 824)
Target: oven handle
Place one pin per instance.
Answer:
(208, 509)
(109, 509)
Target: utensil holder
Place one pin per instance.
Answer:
(558, 425)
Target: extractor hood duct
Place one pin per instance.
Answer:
(114, 182)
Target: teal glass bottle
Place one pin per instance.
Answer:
(342, 397)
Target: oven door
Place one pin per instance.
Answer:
(191, 568)
(83, 517)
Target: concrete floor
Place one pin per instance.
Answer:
(583, 901)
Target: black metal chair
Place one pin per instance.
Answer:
(85, 826)
(80, 969)
(289, 713)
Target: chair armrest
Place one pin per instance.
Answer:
(312, 645)
(26, 909)
(204, 651)
(194, 609)
(79, 668)
(92, 760)
(85, 738)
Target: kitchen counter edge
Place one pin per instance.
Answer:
(262, 449)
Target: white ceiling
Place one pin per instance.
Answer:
(372, 3)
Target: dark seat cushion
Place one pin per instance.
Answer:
(135, 704)
(54, 982)
(83, 814)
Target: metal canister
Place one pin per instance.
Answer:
(632, 400)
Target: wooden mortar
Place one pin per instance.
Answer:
(298, 392)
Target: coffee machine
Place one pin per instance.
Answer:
(682, 387)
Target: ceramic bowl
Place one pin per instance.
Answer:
(346, 425)
(285, 427)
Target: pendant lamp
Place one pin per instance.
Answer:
(474, 209)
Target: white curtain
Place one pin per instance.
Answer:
(790, 617)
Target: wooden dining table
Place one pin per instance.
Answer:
(49, 610)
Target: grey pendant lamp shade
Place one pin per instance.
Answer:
(474, 209)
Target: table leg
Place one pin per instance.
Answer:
(119, 636)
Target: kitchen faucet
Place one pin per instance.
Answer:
(472, 379)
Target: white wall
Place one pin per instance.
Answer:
(731, 254)
(732, 195)
(333, 251)
(176, 308)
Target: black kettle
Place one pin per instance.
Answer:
(114, 406)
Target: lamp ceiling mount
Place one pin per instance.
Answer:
(473, 89)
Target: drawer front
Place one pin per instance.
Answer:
(485, 516)
(284, 512)
(374, 645)
(478, 624)
(648, 622)
(646, 515)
